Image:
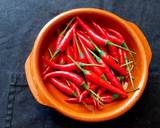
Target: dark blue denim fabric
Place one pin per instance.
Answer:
(20, 22)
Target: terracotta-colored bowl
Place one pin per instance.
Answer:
(47, 95)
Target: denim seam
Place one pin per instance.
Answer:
(11, 98)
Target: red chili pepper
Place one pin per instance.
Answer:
(86, 92)
(109, 74)
(86, 42)
(78, 80)
(90, 59)
(74, 87)
(121, 56)
(62, 87)
(96, 38)
(116, 34)
(99, 30)
(65, 41)
(88, 100)
(61, 35)
(108, 98)
(66, 67)
(95, 79)
(74, 45)
(108, 59)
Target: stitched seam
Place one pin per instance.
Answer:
(11, 98)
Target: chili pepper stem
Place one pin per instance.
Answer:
(84, 64)
(130, 62)
(70, 22)
(74, 94)
(91, 91)
(55, 53)
(115, 96)
(97, 100)
(132, 55)
(133, 90)
(118, 46)
(50, 52)
(85, 72)
(129, 72)
(78, 48)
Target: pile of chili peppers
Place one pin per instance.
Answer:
(91, 64)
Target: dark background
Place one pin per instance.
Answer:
(20, 22)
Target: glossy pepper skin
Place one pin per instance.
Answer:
(90, 59)
(97, 80)
(65, 41)
(62, 87)
(85, 40)
(109, 60)
(69, 75)
(86, 92)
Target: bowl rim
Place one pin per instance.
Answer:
(43, 90)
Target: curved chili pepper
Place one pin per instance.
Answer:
(108, 59)
(94, 78)
(61, 35)
(62, 87)
(65, 41)
(116, 34)
(87, 100)
(74, 87)
(86, 42)
(91, 33)
(99, 30)
(108, 98)
(69, 75)
(90, 59)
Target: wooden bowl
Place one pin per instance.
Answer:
(48, 95)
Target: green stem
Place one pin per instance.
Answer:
(96, 48)
(129, 72)
(70, 22)
(131, 54)
(55, 53)
(82, 69)
(115, 96)
(84, 85)
(98, 59)
(121, 78)
(84, 64)
(78, 48)
(118, 46)
(126, 64)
